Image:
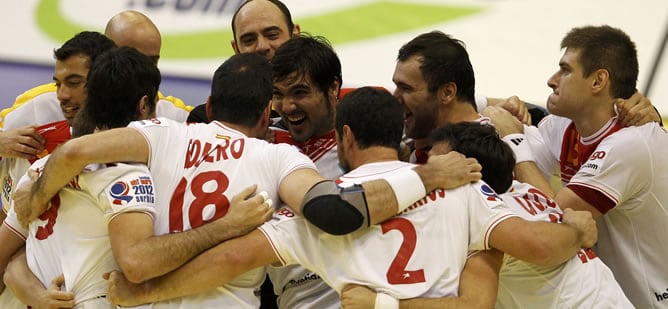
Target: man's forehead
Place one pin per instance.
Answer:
(294, 80)
(257, 16)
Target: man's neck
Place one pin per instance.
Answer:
(459, 112)
(590, 123)
(373, 154)
(250, 132)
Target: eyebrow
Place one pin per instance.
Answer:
(68, 77)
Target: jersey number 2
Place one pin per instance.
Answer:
(201, 200)
(397, 274)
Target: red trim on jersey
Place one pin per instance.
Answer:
(54, 134)
(15, 231)
(575, 150)
(314, 148)
(273, 247)
(594, 197)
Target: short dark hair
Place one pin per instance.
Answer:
(481, 142)
(375, 117)
(281, 6)
(89, 43)
(241, 89)
(311, 56)
(444, 60)
(117, 81)
(605, 47)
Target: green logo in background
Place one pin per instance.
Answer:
(363, 22)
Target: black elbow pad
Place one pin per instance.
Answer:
(333, 215)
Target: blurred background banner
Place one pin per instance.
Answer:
(513, 44)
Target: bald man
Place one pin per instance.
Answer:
(134, 29)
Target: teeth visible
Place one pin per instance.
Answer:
(295, 118)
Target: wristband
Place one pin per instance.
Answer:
(520, 147)
(407, 186)
(384, 301)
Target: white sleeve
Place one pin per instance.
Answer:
(159, 135)
(126, 188)
(12, 222)
(287, 159)
(544, 159)
(486, 210)
(616, 172)
(287, 234)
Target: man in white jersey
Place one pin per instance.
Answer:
(368, 141)
(581, 282)
(435, 82)
(120, 76)
(71, 238)
(616, 173)
(210, 156)
(73, 60)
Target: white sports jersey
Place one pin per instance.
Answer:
(71, 237)
(417, 253)
(581, 282)
(40, 105)
(197, 165)
(296, 286)
(620, 171)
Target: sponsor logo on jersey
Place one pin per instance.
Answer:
(661, 295)
(142, 189)
(7, 188)
(120, 192)
(487, 191)
(592, 166)
(308, 277)
(597, 155)
(517, 141)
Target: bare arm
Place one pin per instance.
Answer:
(568, 199)
(545, 243)
(29, 290)
(208, 270)
(132, 238)
(478, 286)
(11, 243)
(116, 145)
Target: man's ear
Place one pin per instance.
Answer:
(235, 48)
(348, 137)
(209, 111)
(296, 30)
(143, 109)
(333, 91)
(600, 81)
(266, 115)
(447, 93)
